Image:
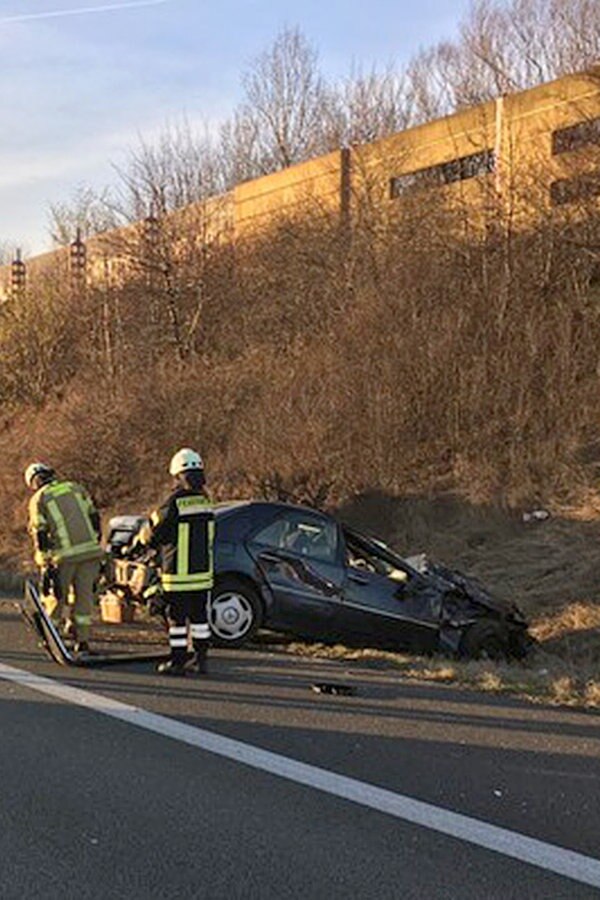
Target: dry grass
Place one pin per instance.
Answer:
(496, 405)
(574, 619)
(558, 671)
(409, 361)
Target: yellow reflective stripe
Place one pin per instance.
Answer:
(185, 588)
(211, 544)
(38, 522)
(56, 490)
(37, 519)
(59, 523)
(78, 550)
(85, 513)
(183, 548)
(194, 503)
(186, 579)
(205, 581)
(66, 548)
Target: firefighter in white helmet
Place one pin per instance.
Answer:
(183, 530)
(65, 529)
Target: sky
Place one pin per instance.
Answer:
(82, 80)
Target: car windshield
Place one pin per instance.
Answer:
(361, 556)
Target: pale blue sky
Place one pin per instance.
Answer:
(76, 90)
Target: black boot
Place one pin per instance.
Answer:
(198, 664)
(174, 666)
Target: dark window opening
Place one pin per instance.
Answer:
(571, 190)
(303, 534)
(575, 136)
(482, 163)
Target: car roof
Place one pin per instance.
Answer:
(228, 506)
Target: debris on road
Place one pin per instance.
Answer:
(341, 690)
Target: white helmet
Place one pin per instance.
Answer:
(35, 469)
(186, 460)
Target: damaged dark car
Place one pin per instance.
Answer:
(293, 569)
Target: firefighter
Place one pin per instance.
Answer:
(64, 525)
(182, 530)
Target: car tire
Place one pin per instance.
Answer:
(485, 639)
(235, 613)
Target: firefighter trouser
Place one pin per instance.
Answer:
(187, 617)
(76, 589)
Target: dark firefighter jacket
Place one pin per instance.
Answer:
(183, 530)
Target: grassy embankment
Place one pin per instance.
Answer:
(416, 358)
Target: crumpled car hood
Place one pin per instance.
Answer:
(448, 580)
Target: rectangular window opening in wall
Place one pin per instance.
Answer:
(575, 190)
(461, 169)
(582, 134)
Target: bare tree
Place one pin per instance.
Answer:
(179, 168)
(368, 106)
(503, 46)
(239, 149)
(285, 103)
(89, 212)
(508, 46)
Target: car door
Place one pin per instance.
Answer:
(388, 604)
(300, 557)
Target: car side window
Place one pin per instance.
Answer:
(302, 534)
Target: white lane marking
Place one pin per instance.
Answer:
(550, 857)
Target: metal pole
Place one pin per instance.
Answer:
(18, 279)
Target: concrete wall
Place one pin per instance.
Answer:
(258, 204)
(516, 130)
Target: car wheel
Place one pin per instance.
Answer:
(234, 613)
(486, 639)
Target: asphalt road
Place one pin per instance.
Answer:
(93, 807)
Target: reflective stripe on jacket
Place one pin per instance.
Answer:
(184, 531)
(63, 514)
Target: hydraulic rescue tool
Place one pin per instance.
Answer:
(39, 621)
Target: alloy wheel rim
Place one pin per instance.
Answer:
(230, 615)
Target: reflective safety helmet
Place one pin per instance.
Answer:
(35, 469)
(186, 460)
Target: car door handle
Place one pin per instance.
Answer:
(358, 578)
